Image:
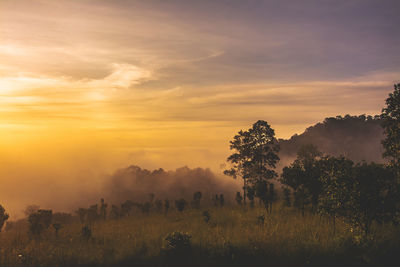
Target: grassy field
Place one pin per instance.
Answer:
(233, 236)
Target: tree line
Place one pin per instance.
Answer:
(360, 193)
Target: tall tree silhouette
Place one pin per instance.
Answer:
(255, 155)
(303, 175)
(3, 217)
(391, 125)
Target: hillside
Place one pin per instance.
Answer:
(356, 137)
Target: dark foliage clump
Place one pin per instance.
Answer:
(206, 216)
(239, 198)
(39, 221)
(158, 206)
(166, 206)
(57, 227)
(196, 200)
(180, 204)
(86, 233)
(178, 243)
(3, 217)
(286, 197)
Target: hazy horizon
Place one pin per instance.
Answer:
(88, 87)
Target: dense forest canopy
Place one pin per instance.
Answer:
(355, 137)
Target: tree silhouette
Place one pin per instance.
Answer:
(391, 125)
(239, 198)
(166, 206)
(255, 155)
(180, 204)
(31, 209)
(338, 187)
(3, 217)
(303, 175)
(286, 197)
(103, 209)
(372, 199)
(39, 221)
(196, 200)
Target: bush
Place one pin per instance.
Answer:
(3, 217)
(178, 242)
(86, 232)
(206, 216)
(180, 204)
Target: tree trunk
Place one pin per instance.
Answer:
(244, 191)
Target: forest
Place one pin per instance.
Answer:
(331, 205)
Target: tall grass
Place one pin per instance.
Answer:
(233, 236)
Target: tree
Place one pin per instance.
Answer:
(166, 206)
(115, 212)
(391, 125)
(221, 200)
(82, 214)
(196, 200)
(337, 188)
(158, 205)
(31, 209)
(103, 209)
(180, 204)
(239, 198)
(255, 155)
(303, 176)
(286, 197)
(374, 196)
(3, 217)
(265, 191)
(39, 221)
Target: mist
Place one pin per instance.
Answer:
(135, 183)
(64, 171)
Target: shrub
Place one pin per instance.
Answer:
(57, 227)
(3, 217)
(180, 204)
(206, 216)
(86, 233)
(178, 242)
(39, 221)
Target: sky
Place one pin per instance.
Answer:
(89, 86)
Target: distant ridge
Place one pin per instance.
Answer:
(356, 137)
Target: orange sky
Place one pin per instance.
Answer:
(89, 86)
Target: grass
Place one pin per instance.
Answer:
(234, 236)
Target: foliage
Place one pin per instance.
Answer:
(221, 200)
(206, 216)
(239, 198)
(375, 195)
(341, 135)
(180, 204)
(196, 200)
(286, 197)
(3, 217)
(255, 155)
(391, 125)
(39, 221)
(232, 239)
(57, 227)
(178, 241)
(158, 205)
(166, 206)
(86, 232)
(303, 175)
(31, 209)
(337, 188)
(103, 209)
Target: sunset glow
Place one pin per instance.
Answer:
(90, 86)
